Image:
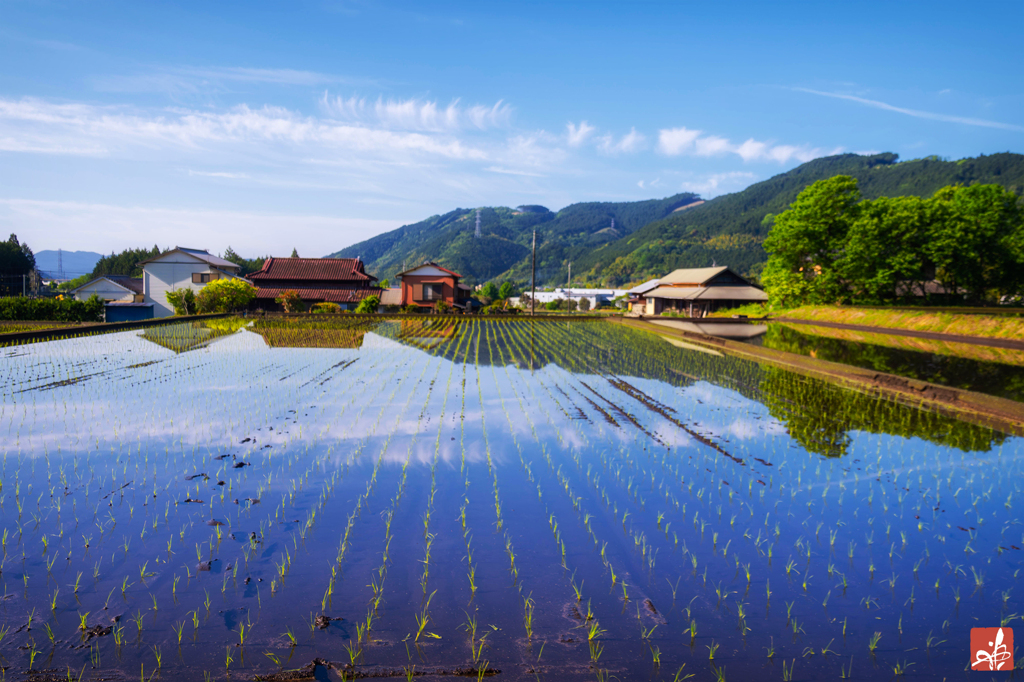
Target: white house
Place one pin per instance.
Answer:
(111, 288)
(596, 297)
(181, 268)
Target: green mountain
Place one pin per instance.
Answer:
(651, 238)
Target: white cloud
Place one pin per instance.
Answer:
(53, 127)
(188, 80)
(916, 113)
(627, 144)
(675, 141)
(416, 114)
(509, 171)
(219, 174)
(680, 141)
(577, 135)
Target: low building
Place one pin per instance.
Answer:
(181, 268)
(638, 296)
(429, 283)
(595, 297)
(317, 280)
(699, 291)
(112, 288)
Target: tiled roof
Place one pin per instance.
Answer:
(314, 269)
(391, 297)
(330, 295)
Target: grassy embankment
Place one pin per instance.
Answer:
(988, 326)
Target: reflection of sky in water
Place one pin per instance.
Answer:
(697, 450)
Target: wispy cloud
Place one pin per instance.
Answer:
(509, 171)
(51, 127)
(578, 134)
(416, 114)
(687, 141)
(718, 183)
(219, 174)
(916, 113)
(204, 80)
(628, 143)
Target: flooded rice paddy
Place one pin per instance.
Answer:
(499, 499)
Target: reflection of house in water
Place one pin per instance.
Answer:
(187, 336)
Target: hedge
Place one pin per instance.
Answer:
(51, 309)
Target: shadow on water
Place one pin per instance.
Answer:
(535, 500)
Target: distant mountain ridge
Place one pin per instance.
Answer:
(76, 263)
(652, 238)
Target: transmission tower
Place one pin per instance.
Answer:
(613, 223)
(478, 223)
(60, 265)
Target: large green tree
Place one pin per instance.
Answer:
(806, 242)
(883, 255)
(976, 240)
(124, 263)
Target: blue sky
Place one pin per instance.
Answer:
(318, 124)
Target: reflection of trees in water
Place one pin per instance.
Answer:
(818, 415)
(994, 378)
(187, 336)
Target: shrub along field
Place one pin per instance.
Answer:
(535, 499)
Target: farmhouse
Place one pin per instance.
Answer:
(429, 283)
(317, 280)
(123, 296)
(699, 291)
(638, 296)
(180, 268)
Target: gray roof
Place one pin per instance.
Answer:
(132, 284)
(200, 254)
(645, 287)
(730, 293)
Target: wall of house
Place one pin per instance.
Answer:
(411, 282)
(159, 277)
(106, 290)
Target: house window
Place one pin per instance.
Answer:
(433, 292)
(203, 277)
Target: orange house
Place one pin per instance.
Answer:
(429, 283)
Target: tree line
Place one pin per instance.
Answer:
(963, 244)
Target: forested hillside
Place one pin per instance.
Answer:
(652, 238)
(506, 234)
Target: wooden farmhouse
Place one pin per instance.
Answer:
(181, 268)
(124, 298)
(699, 291)
(317, 280)
(429, 283)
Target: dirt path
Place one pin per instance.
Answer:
(1013, 344)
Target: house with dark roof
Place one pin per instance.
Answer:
(317, 280)
(124, 297)
(429, 283)
(699, 291)
(181, 268)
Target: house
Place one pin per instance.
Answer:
(638, 296)
(391, 297)
(124, 297)
(181, 268)
(317, 280)
(699, 291)
(429, 283)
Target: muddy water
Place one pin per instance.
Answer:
(554, 500)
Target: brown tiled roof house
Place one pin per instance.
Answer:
(317, 280)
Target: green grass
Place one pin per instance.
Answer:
(988, 326)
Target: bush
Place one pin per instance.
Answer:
(224, 296)
(183, 301)
(584, 304)
(327, 307)
(291, 301)
(370, 304)
(51, 309)
(411, 308)
(442, 307)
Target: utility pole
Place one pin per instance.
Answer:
(533, 277)
(568, 282)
